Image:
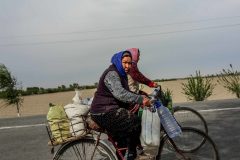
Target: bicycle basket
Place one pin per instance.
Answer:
(63, 131)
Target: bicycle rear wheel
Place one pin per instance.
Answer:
(188, 117)
(84, 149)
(187, 147)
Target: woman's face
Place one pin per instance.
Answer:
(127, 63)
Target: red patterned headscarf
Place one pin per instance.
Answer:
(135, 53)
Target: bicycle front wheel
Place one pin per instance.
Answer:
(85, 149)
(188, 117)
(186, 146)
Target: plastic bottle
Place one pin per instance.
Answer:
(167, 120)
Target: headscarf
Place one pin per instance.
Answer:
(135, 53)
(117, 62)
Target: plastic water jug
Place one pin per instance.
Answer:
(167, 120)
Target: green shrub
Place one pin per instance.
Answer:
(166, 99)
(230, 80)
(198, 88)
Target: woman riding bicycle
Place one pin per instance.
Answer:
(110, 106)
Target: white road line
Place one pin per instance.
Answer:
(37, 125)
(23, 126)
(219, 109)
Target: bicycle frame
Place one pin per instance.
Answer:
(163, 138)
(98, 139)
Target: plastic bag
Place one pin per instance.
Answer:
(58, 123)
(77, 99)
(150, 134)
(74, 113)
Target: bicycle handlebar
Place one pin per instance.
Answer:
(156, 94)
(154, 97)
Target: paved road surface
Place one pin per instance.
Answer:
(26, 138)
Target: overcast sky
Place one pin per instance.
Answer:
(47, 43)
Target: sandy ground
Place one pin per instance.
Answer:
(38, 104)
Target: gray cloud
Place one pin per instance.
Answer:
(49, 43)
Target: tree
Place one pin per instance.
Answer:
(9, 87)
(230, 79)
(32, 90)
(198, 88)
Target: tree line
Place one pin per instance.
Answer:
(41, 90)
(62, 88)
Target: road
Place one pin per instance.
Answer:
(26, 138)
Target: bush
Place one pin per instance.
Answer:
(230, 80)
(166, 99)
(198, 88)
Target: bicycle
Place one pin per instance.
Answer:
(93, 146)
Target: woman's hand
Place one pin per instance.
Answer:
(146, 101)
(155, 85)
